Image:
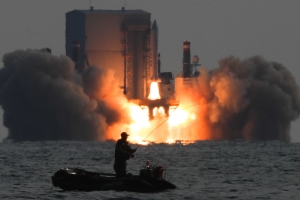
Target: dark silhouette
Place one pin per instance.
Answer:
(123, 152)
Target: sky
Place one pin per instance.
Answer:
(215, 28)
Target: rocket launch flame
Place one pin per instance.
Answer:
(154, 91)
(43, 98)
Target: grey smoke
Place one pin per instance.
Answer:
(250, 99)
(44, 98)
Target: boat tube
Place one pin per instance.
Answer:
(149, 180)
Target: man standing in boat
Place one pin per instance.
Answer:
(123, 152)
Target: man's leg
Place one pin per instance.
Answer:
(120, 169)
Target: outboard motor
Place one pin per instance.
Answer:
(159, 172)
(156, 172)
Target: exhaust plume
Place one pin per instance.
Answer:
(44, 98)
(249, 99)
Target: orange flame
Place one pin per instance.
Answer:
(184, 125)
(174, 129)
(157, 129)
(154, 91)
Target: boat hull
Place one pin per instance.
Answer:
(78, 179)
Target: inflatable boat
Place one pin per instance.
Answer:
(149, 180)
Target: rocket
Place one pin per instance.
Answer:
(186, 60)
(154, 49)
(158, 64)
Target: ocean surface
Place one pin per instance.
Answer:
(202, 170)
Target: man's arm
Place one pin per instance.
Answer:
(129, 149)
(121, 152)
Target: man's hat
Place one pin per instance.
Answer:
(123, 134)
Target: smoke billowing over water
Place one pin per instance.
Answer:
(44, 98)
(249, 99)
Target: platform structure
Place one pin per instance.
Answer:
(124, 41)
(157, 103)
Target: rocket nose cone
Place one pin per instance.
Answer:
(154, 25)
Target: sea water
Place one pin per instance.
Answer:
(201, 170)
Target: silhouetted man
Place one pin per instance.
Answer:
(123, 152)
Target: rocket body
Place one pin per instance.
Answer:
(154, 50)
(158, 64)
(186, 59)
